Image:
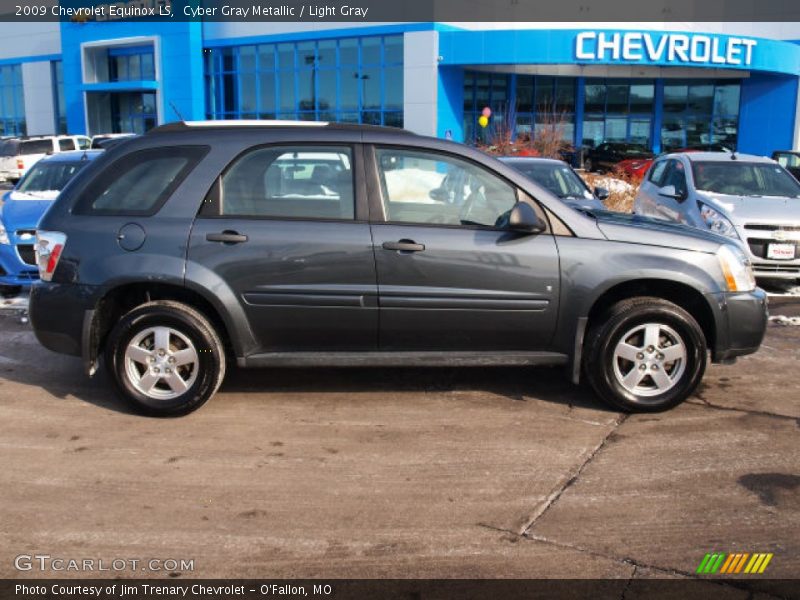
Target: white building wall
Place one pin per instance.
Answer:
(25, 40)
(39, 101)
(420, 81)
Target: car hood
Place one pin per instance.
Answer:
(765, 209)
(23, 214)
(636, 229)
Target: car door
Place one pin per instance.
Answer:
(451, 276)
(279, 229)
(668, 207)
(647, 196)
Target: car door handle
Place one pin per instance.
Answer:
(227, 237)
(403, 246)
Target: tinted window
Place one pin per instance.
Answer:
(140, 182)
(9, 148)
(290, 182)
(421, 187)
(36, 147)
(66, 144)
(676, 176)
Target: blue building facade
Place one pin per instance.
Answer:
(654, 86)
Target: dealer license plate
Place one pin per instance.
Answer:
(781, 251)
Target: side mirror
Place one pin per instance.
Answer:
(523, 218)
(439, 194)
(601, 193)
(668, 191)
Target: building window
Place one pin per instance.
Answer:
(131, 63)
(482, 90)
(59, 106)
(539, 103)
(700, 112)
(357, 80)
(618, 110)
(12, 101)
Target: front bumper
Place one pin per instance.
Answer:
(14, 272)
(741, 323)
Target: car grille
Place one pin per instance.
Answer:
(758, 239)
(26, 254)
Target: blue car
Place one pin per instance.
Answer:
(21, 210)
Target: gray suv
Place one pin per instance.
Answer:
(286, 244)
(750, 199)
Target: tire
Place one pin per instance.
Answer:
(588, 165)
(190, 370)
(633, 372)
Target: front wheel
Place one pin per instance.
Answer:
(165, 358)
(645, 355)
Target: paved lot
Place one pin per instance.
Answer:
(402, 473)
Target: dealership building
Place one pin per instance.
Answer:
(663, 85)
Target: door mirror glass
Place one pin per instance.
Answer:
(601, 193)
(523, 218)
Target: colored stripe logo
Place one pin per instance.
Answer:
(734, 564)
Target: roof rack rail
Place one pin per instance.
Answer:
(256, 124)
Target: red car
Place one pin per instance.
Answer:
(635, 168)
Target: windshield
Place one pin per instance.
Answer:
(49, 176)
(558, 178)
(737, 178)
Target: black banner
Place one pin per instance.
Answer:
(395, 589)
(372, 11)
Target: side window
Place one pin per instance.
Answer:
(657, 173)
(140, 182)
(297, 182)
(431, 188)
(676, 176)
(66, 144)
(84, 143)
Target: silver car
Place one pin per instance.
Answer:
(751, 199)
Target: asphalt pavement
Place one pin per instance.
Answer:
(441, 472)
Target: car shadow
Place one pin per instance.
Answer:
(512, 384)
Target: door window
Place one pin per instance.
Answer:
(676, 176)
(658, 172)
(302, 182)
(432, 188)
(66, 144)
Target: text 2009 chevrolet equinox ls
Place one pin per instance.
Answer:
(280, 244)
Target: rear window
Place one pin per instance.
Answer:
(35, 147)
(141, 182)
(9, 148)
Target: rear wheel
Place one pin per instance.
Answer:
(645, 355)
(165, 358)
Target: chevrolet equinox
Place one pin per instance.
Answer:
(280, 244)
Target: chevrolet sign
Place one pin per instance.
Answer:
(664, 48)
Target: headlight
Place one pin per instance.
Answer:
(716, 222)
(3, 235)
(736, 269)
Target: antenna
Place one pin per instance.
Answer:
(733, 155)
(175, 110)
